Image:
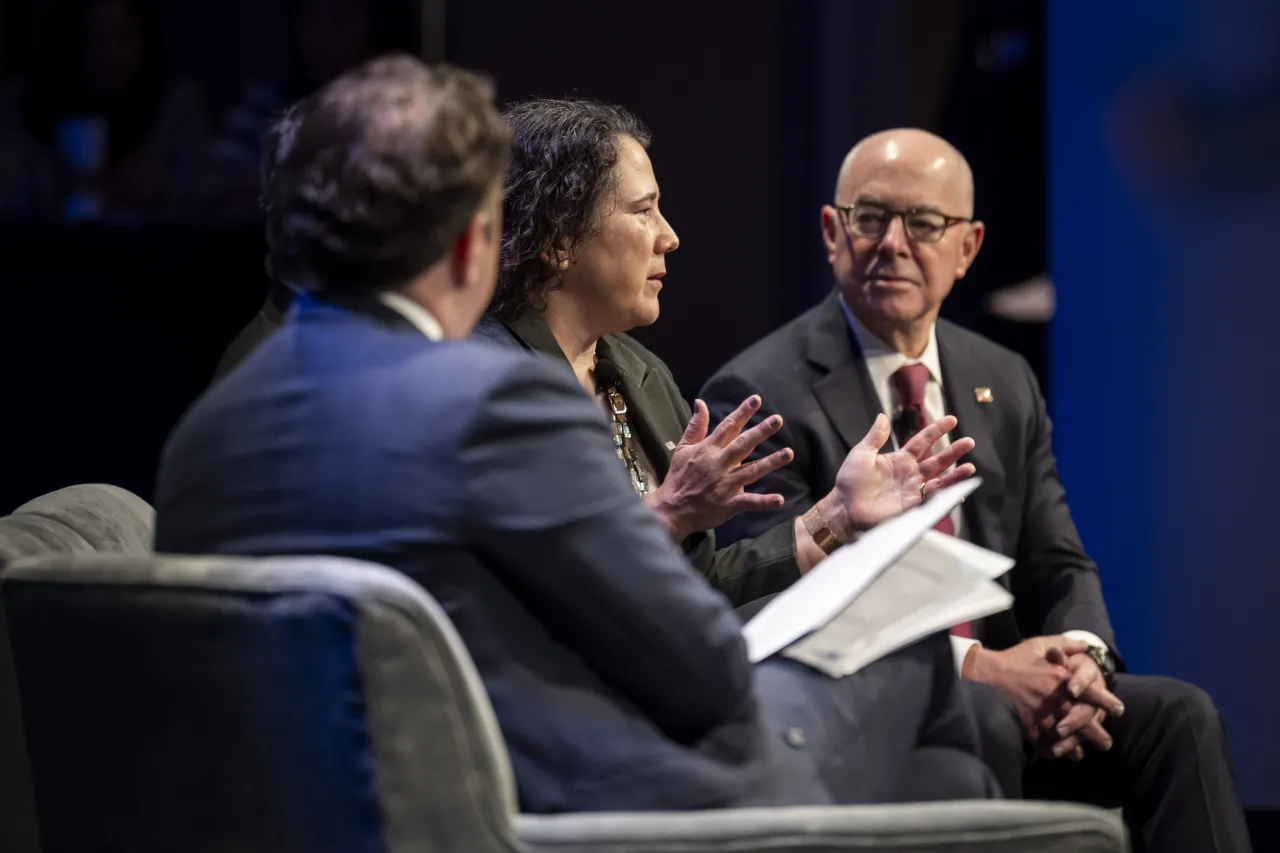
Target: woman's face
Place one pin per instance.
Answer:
(615, 273)
(112, 49)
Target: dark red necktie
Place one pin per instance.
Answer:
(910, 381)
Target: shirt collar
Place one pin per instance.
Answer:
(421, 319)
(883, 360)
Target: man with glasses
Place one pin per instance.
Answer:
(898, 236)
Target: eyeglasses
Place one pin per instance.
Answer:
(870, 220)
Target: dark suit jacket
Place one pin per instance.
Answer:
(744, 570)
(812, 373)
(486, 476)
(269, 318)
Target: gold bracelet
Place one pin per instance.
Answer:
(820, 530)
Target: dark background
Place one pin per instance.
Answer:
(1156, 362)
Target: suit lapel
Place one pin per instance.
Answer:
(645, 409)
(962, 376)
(844, 389)
(638, 386)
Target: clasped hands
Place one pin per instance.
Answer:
(707, 481)
(1060, 694)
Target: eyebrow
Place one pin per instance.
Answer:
(921, 208)
(645, 198)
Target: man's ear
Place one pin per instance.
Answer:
(969, 248)
(464, 256)
(832, 231)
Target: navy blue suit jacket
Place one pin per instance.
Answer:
(607, 658)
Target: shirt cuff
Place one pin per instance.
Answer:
(1087, 637)
(960, 648)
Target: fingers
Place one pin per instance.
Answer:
(748, 502)
(1061, 648)
(696, 431)
(878, 435)
(1068, 746)
(1080, 715)
(950, 478)
(936, 465)
(729, 428)
(1094, 733)
(752, 472)
(926, 438)
(1084, 673)
(740, 448)
(1098, 695)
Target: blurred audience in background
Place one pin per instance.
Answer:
(95, 127)
(100, 131)
(328, 38)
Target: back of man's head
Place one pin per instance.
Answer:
(386, 167)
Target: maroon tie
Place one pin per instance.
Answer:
(910, 380)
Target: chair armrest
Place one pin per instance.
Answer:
(989, 827)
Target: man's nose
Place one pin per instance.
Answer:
(894, 241)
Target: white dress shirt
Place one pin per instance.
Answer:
(421, 319)
(882, 362)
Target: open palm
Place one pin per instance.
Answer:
(874, 487)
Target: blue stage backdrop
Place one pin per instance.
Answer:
(1164, 221)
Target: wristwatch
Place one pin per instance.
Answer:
(1106, 663)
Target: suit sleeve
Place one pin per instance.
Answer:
(549, 506)
(1055, 584)
(723, 394)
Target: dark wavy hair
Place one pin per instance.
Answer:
(562, 158)
(386, 166)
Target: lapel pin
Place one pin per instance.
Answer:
(983, 395)
(671, 445)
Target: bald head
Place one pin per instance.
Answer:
(901, 232)
(907, 160)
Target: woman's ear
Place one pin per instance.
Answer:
(558, 256)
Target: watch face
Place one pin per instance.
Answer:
(1105, 663)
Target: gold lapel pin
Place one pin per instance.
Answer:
(671, 445)
(983, 395)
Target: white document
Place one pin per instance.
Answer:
(820, 595)
(930, 588)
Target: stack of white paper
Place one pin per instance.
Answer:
(897, 584)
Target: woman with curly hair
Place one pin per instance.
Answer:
(584, 249)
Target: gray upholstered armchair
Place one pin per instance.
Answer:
(317, 704)
(87, 519)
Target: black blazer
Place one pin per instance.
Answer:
(745, 570)
(269, 318)
(812, 373)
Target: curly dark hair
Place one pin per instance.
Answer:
(562, 158)
(387, 164)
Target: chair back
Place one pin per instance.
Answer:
(82, 519)
(286, 704)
